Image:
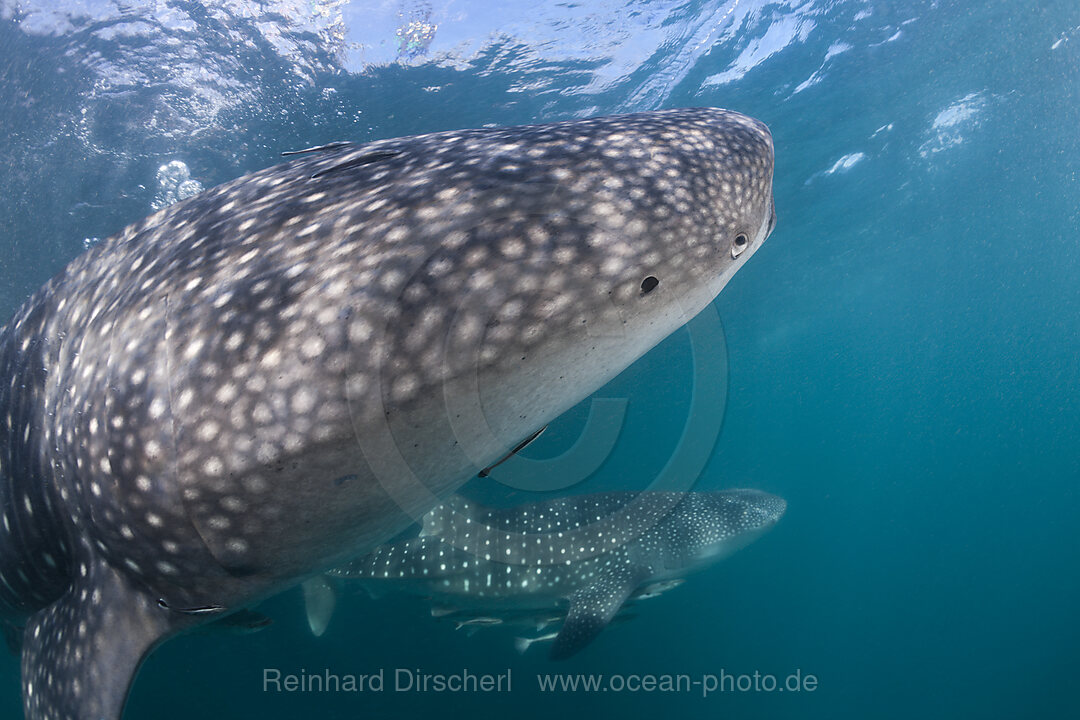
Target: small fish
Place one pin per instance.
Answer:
(657, 589)
(318, 148)
(197, 610)
(517, 448)
(477, 622)
(521, 644)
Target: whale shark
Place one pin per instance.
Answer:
(266, 379)
(498, 564)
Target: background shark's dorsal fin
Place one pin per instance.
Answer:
(593, 606)
(80, 655)
(443, 518)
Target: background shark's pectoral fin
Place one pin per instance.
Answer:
(80, 655)
(592, 608)
(320, 600)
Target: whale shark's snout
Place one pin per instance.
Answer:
(717, 187)
(716, 524)
(759, 509)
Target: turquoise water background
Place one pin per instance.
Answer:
(902, 356)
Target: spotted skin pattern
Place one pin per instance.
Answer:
(541, 555)
(278, 374)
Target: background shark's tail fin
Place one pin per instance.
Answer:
(80, 655)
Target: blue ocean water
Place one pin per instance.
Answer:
(899, 361)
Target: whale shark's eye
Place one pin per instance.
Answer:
(649, 284)
(740, 244)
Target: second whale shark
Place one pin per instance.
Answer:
(586, 555)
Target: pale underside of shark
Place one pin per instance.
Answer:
(582, 557)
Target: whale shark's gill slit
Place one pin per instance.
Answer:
(367, 159)
(319, 148)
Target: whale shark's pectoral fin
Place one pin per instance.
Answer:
(80, 655)
(320, 600)
(592, 607)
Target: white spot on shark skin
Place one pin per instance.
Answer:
(236, 545)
